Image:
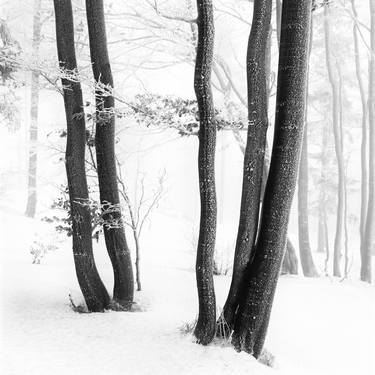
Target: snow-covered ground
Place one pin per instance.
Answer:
(319, 326)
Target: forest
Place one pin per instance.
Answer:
(187, 187)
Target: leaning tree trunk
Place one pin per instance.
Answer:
(307, 261)
(369, 235)
(33, 136)
(93, 290)
(262, 274)
(114, 233)
(205, 328)
(254, 152)
(337, 254)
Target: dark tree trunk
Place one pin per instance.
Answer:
(205, 328)
(369, 235)
(255, 150)
(262, 274)
(33, 137)
(114, 233)
(338, 149)
(290, 261)
(93, 290)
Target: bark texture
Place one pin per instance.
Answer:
(262, 274)
(93, 290)
(118, 250)
(34, 109)
(337, 253)
(206, 324)
(369, 235)
(257, 91)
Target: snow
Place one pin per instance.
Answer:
(318, 326)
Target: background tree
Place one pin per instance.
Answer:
(206, 324)
(369, 242)
(338, 246)
(119, 253)
(34, 108)
(307, 261)
(93, 289)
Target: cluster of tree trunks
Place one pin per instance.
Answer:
(93, 289)
(94, 292)
(261, 243)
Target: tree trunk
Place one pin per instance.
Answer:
(205, 328)
(338, 149)
(307, 261)
(369, 235)
(364, 172)
(261, 277)
(290, 261)
(114, 233)
(254, 153)
(33, 137)
(93, 290)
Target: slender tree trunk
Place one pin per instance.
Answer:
(254, 153)
(364, 172)
(114, 233)
(33, 137)
(307, 261)
(338, 149)
(205, 328)
(262, 274)
(322, 243)
(369, 235)
(93, 289)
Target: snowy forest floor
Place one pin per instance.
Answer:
(318, 326)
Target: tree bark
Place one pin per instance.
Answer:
(262, 274)
(117, 247)
(205, 328)
(254, 153)
(338, 149)
(92, 288)
(33, 135)
(369, 235)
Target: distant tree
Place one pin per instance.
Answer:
(307, 261)
(206, 324)
(340, 217)
(369, 235)
(93, 289)
(364, 130)
(256, 298)
(114, 233)
(34, 109)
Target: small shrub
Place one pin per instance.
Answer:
(188, 327)
(38, 250)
